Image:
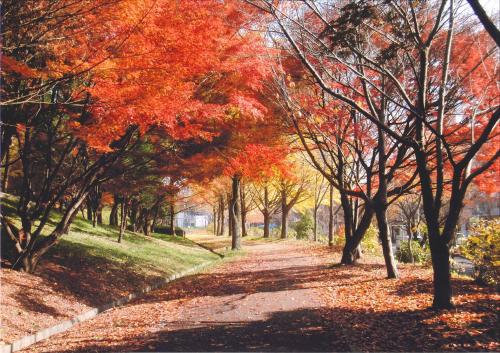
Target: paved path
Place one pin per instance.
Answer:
(268, 300)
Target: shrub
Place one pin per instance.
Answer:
(370, 243)
(303, 226)
(168, 231)
(339, 240)
(415, 254)
(339, 237)
(481, 247)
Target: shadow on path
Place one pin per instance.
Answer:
(290, 331)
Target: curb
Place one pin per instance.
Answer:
(67, 324)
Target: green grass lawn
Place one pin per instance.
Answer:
(85, 245)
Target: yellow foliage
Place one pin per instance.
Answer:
(482, 248)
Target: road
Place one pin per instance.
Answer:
(269, 299)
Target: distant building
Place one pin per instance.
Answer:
(192, 219)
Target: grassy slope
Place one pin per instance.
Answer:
(87, 268)
(158, 255)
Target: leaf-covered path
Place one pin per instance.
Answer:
(270, 299)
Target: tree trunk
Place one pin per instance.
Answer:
(244, 211)
(284, 225)
(410, 248)
(89, 211)
(5, 177)
(146, 227)
(113, 215)
(7, 132)
(214, 217)
(222, 218)
(266, 213)
(134, 209)
(284, 215)
(348, 220)
(229, 222)
(330, 217)
(235, 213)
(351, 253)
(315, 224)
(99, 214)
(440, 253)
(230, 225)
(172, 218)
(219, 218)
(385, 238)
(155, 217)
(243, 223)
(123, 219)
(266, 223)
(28, 261)
(141, 220)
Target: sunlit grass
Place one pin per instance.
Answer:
(158, 254)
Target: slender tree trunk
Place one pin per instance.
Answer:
(155, 218)
(265, 212)
(219, 217)
(134, 209)
(355, 212)
(99, 214)
(243, 223)
(315, 224)
(230, 225)
(8, 131)
(5, 177)
(172, 218)
(410, 247)
(123, 218)
(222, 218)
(381, 205)
(348, 220)
(385, 238)
(244, 211)
(235, 213)
(214, 216)
(284, 225)
(113, 215)
(330, 217)
(89, 211)
(141, 220)
(146, 227)
(284, 215)
(266, 223)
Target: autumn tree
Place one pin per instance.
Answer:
(84, 102)
(320, 188)
(261, 165)
(426, 61)
(292, 190)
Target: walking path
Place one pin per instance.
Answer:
(270, 299)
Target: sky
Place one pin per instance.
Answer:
(491, 6)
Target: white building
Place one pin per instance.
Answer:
(192, 219)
